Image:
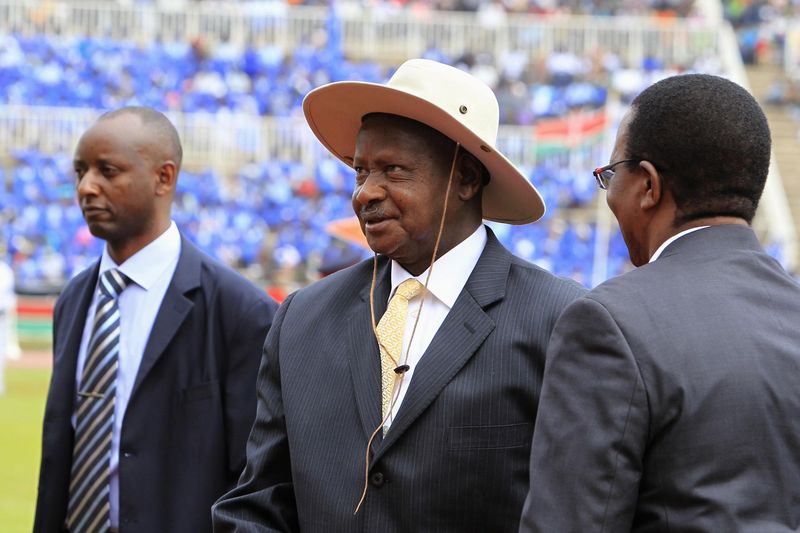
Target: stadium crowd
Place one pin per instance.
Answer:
(282, 200)
(260, 78)
(680, 8)
(268, 217)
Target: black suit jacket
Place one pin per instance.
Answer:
(456, 456)
(193, 402)
(671, 398)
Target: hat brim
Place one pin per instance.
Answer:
(334, 113)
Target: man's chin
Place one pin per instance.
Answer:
(380, 245)
(99, 230)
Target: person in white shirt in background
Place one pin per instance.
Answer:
(8, 304)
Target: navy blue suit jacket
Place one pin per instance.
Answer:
(192, 406)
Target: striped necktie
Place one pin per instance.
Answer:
(390, 334)
(89, 507)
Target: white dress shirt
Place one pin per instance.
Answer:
(672, 239)
(450, 274)
(150, 270)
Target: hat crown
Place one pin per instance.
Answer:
(465, 98)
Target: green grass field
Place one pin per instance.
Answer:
(21, 410)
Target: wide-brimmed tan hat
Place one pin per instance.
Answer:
(445, 98)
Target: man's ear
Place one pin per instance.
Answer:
(468, 177)
(167, 178)
(653, 186)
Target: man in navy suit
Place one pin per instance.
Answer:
(190, 336)
(670, 399)
(447, 448)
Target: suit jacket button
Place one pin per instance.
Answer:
(377, 479)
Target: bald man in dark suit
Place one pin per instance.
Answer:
(190, 337)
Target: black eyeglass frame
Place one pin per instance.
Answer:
(604, 174)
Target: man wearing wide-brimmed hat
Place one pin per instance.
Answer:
(400, 394)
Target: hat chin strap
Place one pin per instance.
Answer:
(401, 369)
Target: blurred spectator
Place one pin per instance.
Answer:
(8, 304)
(761, 27)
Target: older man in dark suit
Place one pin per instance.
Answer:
(670, 399)
(156, 350)
(421, 421)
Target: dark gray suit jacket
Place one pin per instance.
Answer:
(671, 398)
(193, 402)
(456, 456)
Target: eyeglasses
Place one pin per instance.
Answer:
(604, 174)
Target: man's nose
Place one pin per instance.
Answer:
(370, 190)
(87, 184)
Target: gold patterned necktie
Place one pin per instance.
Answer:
(390, 334)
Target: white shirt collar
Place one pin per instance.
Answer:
(672, 239)
(148, 264)
(451, 271)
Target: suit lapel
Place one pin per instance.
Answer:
(461, 334)
(66, 360)
(174, 309)
(364, 357)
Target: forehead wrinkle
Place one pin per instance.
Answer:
(104, 140)
(384, 145)
(407, 143)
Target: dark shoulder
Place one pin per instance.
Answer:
(527, 280)
(635, 285)
(78, 284)
(545, 285)
(341, 283)
(650, 294)
(230, 284)
(538, 297)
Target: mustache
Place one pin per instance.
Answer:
(371, 212)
